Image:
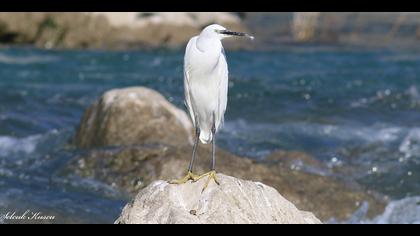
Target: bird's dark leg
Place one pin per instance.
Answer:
(190, 175)
(212, 173)
(213, 147)
(197, 135)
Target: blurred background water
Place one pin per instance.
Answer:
(355, 109)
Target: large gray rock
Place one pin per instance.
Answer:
(234, 201)
(130, 116)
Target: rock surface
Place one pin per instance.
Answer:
(234, 201)
(133, 116)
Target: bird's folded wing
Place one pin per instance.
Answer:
(223, 89)
(187, 91)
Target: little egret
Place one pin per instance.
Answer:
(206, 90)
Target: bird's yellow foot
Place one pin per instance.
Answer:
(211, 175)
(189, 176)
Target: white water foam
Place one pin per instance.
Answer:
(25, 60)
(404, 211)
(375, 133)
(11, 145)
(410, 146)
(377, 148)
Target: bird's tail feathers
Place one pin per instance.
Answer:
(206, 136)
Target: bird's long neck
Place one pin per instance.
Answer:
(211, 49)
(209, 45)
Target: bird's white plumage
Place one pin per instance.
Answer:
(206, 81)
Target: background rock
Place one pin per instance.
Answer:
(122, 30)
(296, 160)
(234, 201)
(50, 30)
(133, 116)
(110, 30)
(397, 30)
(171, 29)
(192, 19)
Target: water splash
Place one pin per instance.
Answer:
(404, 211)
(11, 145)
(25, 60)
(410, 146)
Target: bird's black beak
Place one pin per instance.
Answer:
(228, 32)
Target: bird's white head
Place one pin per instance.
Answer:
(220, 32)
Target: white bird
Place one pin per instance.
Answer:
(206, 89)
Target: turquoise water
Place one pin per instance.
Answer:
(356, 110)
